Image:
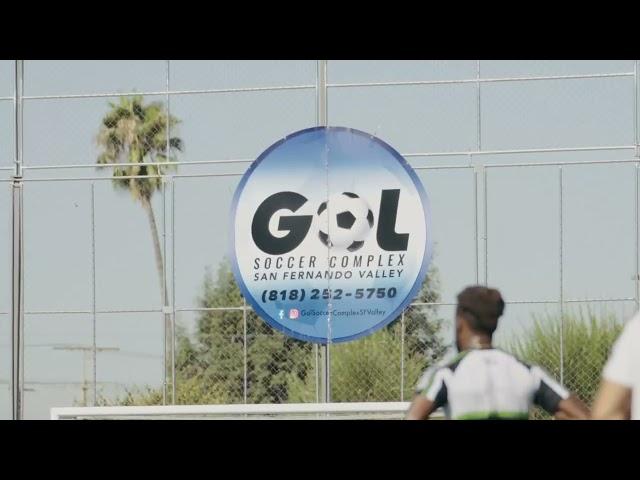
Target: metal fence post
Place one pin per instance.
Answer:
(478, 98)
(402, 372)
(172, 307)
(17, 283)
(636, 277)
(316, 355)
(636, 141)
(167, 334)
(476, 233)
(321, 120)
(561, 282)
(486, 226)
(17, 301)
(244, 349)
(475, 172)
(168, 315)
(93, 295)
(174, 341)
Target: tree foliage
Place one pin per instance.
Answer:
(210, 365)
(133, 133)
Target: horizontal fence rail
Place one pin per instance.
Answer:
(344, 411)
(459, 153)
(329, 85)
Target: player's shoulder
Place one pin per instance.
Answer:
(453, 363)
(627, 339)
(535, 371)
(512, 357)
(630, 332)
(633, 324)
(427, 377)
(434, 369)
(443, 366)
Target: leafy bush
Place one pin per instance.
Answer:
(370, 369)
(588, 338)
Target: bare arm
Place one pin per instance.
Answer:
(613, 402)
(431, 394)
(556, 399)
(572, 408)
(420, 409)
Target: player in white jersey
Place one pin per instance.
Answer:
(483, 382)
(619, 394)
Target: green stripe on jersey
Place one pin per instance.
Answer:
(494, 416)
(458, 357)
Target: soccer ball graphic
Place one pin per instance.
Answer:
(345, 220)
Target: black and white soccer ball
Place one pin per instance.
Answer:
(344, 221)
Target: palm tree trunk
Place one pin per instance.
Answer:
(146, 204)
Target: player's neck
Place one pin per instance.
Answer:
(478, 342)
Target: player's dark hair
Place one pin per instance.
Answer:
(481, 307)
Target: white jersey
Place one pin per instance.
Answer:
(623, 366)
(490, 384)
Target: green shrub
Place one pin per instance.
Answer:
(370, 369)
(588, 338)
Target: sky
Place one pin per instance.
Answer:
(523, 220)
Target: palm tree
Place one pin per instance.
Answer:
(138, 137)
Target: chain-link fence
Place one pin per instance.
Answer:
(116, 256)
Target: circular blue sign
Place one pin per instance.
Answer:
(330, 234)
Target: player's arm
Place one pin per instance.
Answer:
(613, 402)
(572, 408)
(431, 394)
(556, 399)
(421, 407)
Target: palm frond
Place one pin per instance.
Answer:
(133, 132)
